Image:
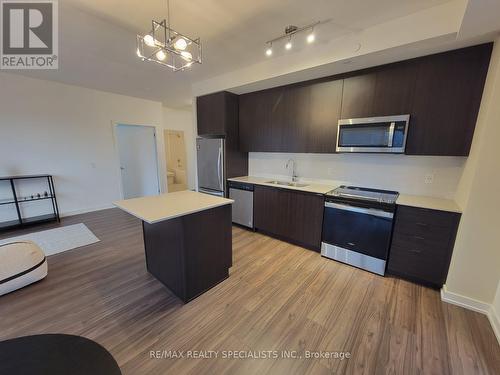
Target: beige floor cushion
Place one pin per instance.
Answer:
(21, 263)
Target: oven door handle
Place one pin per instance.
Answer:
(361, 210)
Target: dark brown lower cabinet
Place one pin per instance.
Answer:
(422, 245)
(290, 215)
(192, 253)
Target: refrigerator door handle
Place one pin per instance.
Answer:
(219, 174)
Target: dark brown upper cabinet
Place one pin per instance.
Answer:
(261, 116)
(446, 102)
(325, 107)
(358, 95)
(295, 118)
(383, 91)
(441, 93)
(395, 89)
(216, 113)
(294, 127)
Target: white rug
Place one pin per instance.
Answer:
(57, 240)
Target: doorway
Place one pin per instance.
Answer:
(175, 155)
(138, 160)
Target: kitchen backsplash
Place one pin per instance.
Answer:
(435, 176)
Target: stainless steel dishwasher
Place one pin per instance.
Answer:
(242, 194)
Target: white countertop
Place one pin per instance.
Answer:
(432, 203)
(168, 206)
(428, 202)
(310, 188)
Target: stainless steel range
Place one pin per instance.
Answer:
(357, 226)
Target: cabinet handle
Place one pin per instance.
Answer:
(422, 224)
(351, 244)
(419, 237)
(415, 251)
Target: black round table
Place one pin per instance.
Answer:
(55, 354)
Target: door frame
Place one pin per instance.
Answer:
(164, 131)
(114, 125)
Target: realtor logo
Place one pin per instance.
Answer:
(29, 34)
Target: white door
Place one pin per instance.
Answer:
(138, 160)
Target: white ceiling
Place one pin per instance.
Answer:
(97, 38)
(480, 17)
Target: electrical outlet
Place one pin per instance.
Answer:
(429, 178)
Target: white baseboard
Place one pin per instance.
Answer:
(463, 301)
(474, 305)
(494, 318)
(86, 210)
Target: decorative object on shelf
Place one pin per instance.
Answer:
(45, 194)
(290, 32)
(17, 201)
(163, 45)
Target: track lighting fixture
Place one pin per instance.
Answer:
(290, 32)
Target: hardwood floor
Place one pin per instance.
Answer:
(278, 297)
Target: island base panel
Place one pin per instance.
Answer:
(192, 253)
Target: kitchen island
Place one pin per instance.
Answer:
(187, 239)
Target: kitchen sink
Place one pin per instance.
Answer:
(286, 183)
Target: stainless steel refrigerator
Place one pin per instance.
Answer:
(211, 171)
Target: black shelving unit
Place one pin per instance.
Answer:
(18, 201)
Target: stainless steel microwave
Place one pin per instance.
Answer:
(385, 134)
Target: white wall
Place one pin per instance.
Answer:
(475, 267)
(182, 119)
(405, 174)
(48, 127)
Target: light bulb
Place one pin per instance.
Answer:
(310, 38)
(269, 51)
(186, 55)
(149, 40)
(160, 55)
(180, 44)
(288, 45)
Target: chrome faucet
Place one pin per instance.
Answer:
(295, 178)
